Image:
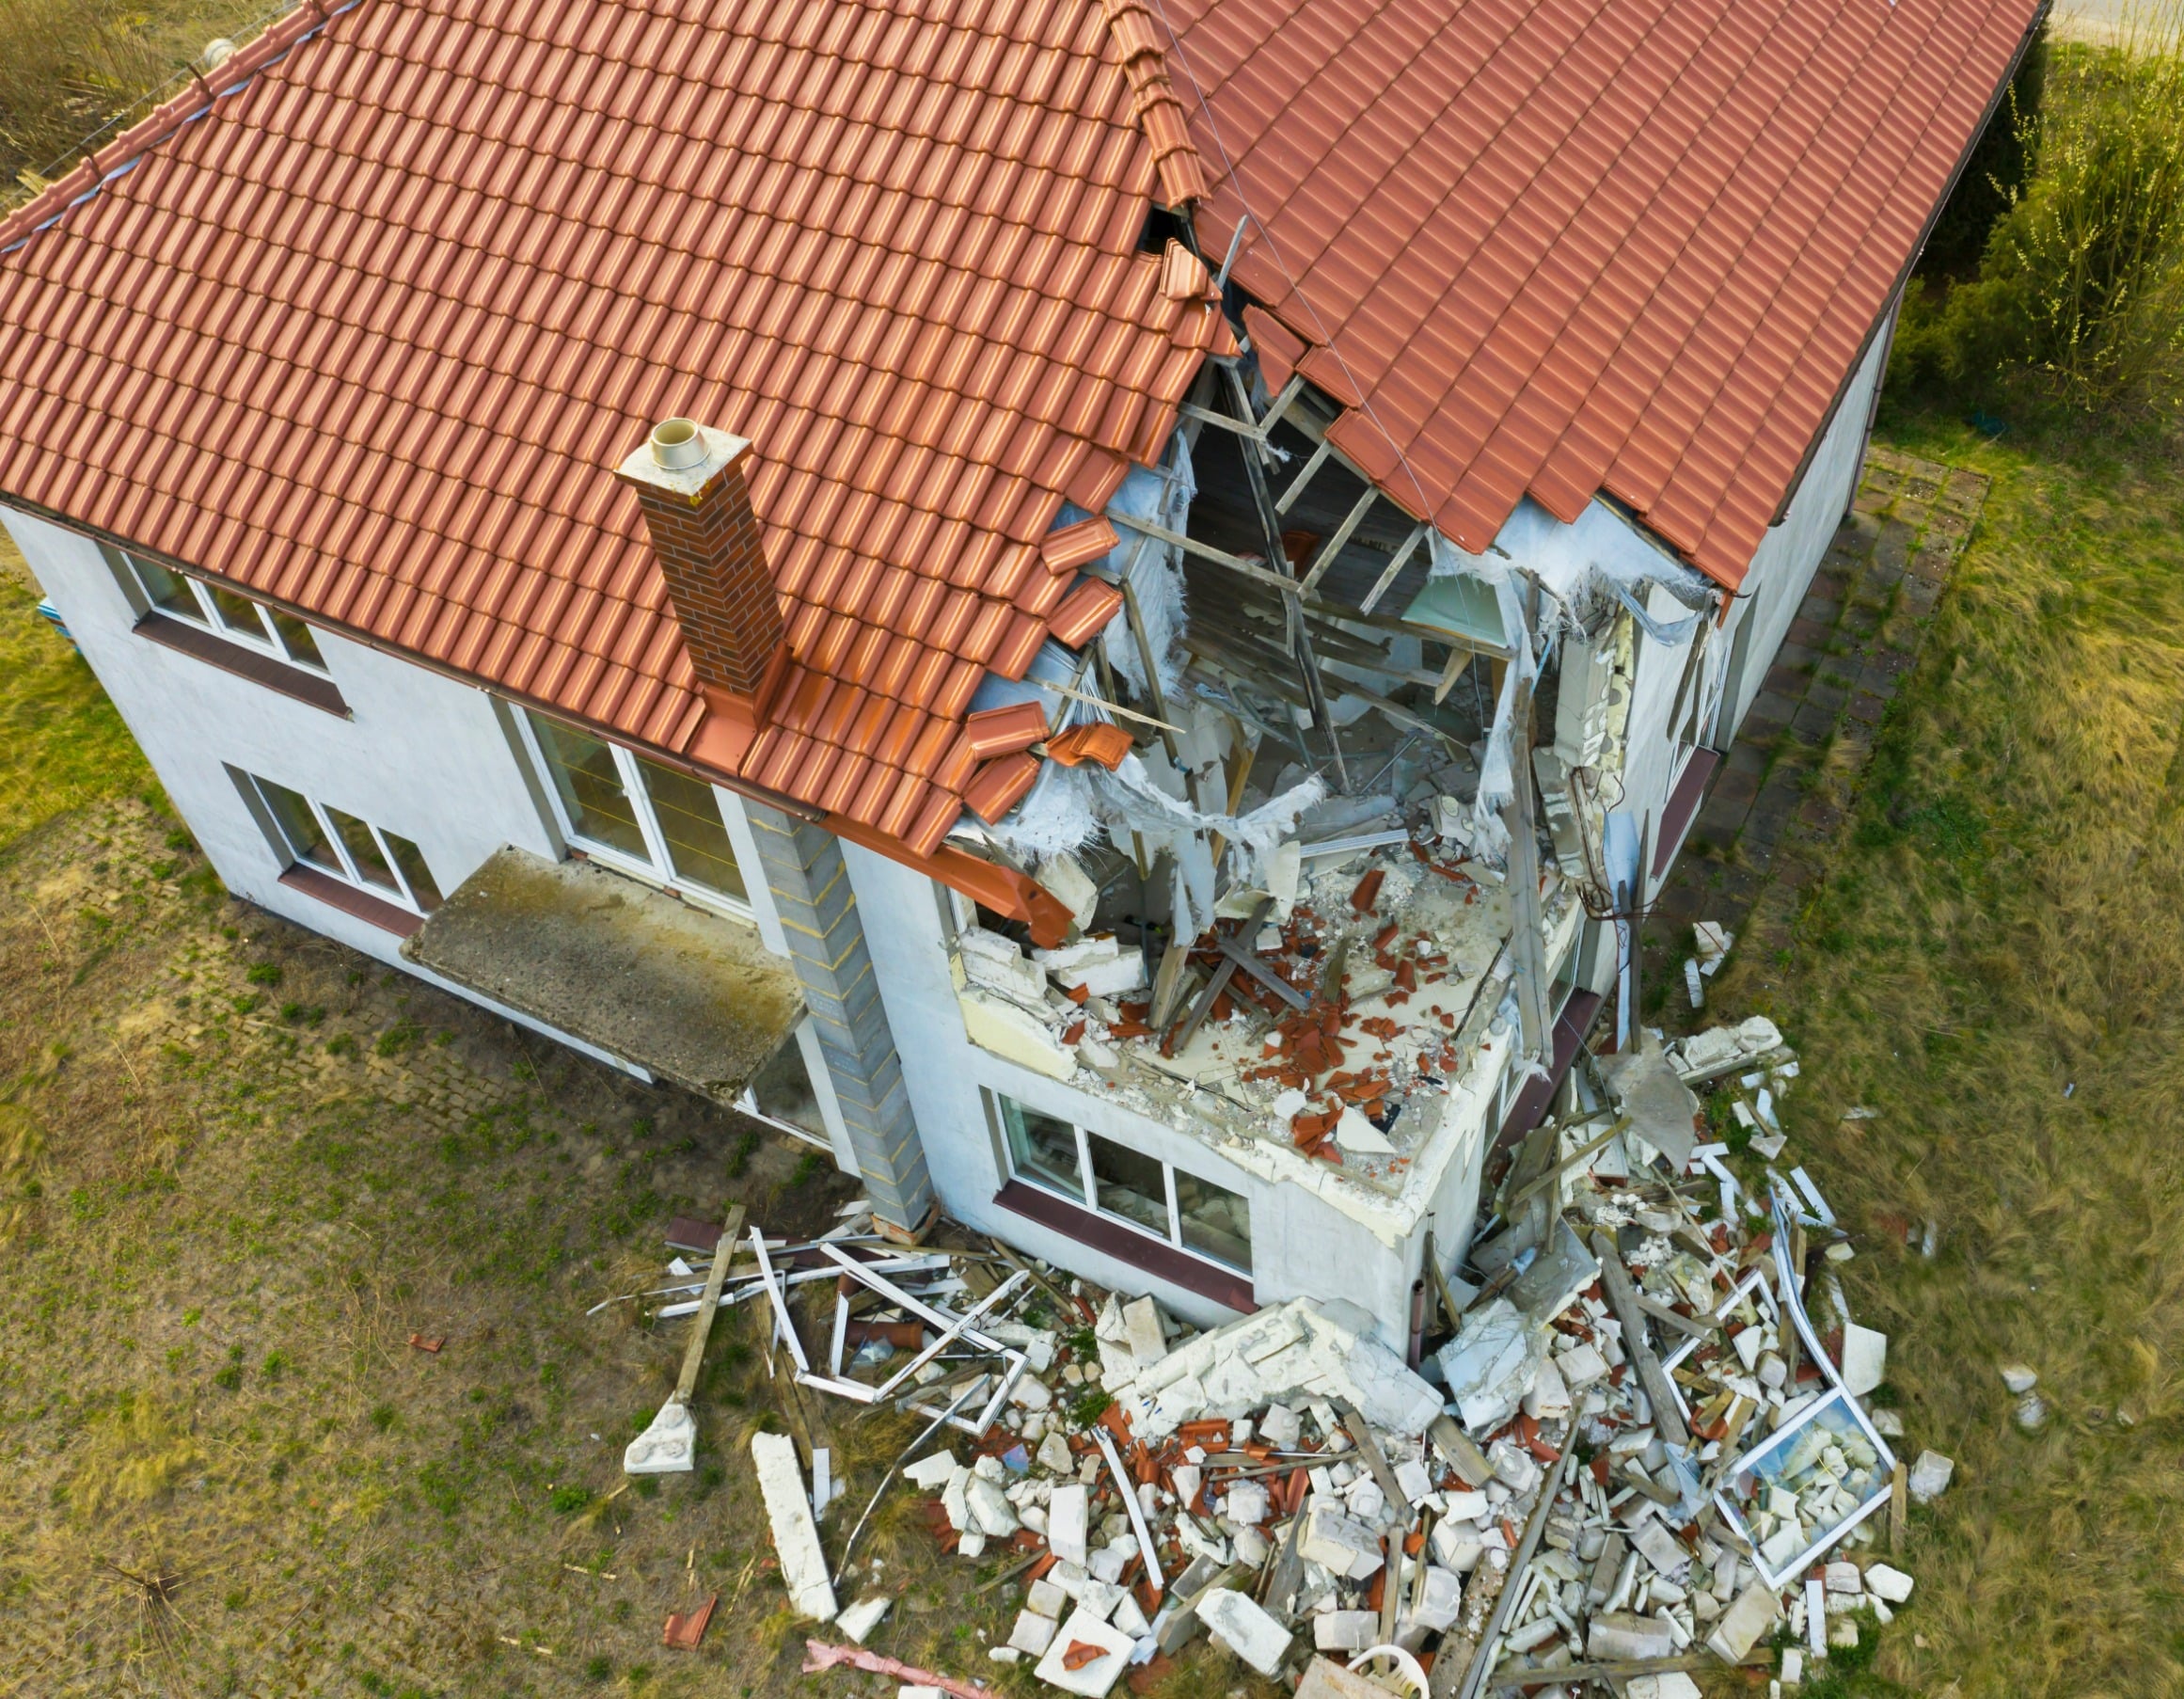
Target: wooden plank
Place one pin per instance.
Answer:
(1623, 1299)
(1536, 1527)
(1376, 1461)
(1340, 541)
(1395, 566)
(1458, 660)
(708, 1307)
(1304, 476)
(1181, 1035)
(1206, 551)
(1669, 1318)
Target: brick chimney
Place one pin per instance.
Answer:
(689, 481)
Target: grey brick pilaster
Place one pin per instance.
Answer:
(804, 870)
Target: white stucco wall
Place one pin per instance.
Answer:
(1790, 553)
(421, 756)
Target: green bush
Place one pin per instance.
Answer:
(1994, 176)
(2081, 286)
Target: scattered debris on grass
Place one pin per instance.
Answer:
(1628, 1451)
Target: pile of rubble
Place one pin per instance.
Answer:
(1632, 1454)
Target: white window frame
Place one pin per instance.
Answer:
(348, 873)
(836, 1141)
(1090, 1200)
(659, 870)
(268, 635)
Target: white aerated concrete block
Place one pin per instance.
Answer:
(795, 1536)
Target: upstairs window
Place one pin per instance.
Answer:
(616, 803)
(230, 613)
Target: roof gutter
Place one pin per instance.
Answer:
(1903, 275)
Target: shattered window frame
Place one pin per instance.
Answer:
(657, 862)
(1010, 1120)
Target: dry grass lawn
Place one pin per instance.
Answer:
(1996, 963)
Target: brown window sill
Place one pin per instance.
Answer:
(244, 661)
(1162, 1261)
(1683, 807)
(340, 895)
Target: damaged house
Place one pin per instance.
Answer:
(1109, 612)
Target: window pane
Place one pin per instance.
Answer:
(423, 890)
(1042, 1148)
(591, 788)
(1216, 1221)
(300, 826)
(169, 594)
(689, 819)
(364, 850)
(296, 638)
(1130, 1185)
(239, 613)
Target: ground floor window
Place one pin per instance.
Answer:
(614, 799)
(784, 1094)
(339, 843)
(1156, 1198)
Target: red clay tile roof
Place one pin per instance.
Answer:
(1565, 247)
(371, 335)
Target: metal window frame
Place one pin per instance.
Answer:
(659, 867)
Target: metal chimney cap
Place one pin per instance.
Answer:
(678, 444)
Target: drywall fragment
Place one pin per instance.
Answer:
(863, 1616)
(1358, 1136)
(1741, 1625)
(1148, 1342)
(1109, 1650)
(1066, 1513)
(1245, 1629)
(1865, 1358)
(1660, 1105)
(795, 1536)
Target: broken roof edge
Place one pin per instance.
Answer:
(100, 165)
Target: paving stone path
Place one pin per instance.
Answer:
(1761, 839)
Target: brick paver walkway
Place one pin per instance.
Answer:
(1760, 836)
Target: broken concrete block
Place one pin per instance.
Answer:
(1865, 1358)
(1326, 1679)
(1345, 1630)
(1251, 1546)
(1842, 1578)
(1456, 1544)
(1670, 1684)
(1842, 1632)
(863, 1616)
(1340, 1544)
(1753, 1615)
(931, 1472)
(2031, 1411)
(2018, 1378)
(1067, 1531)
(1443, 1600)
(1281, 1428)
(1054, 1455)
(1006, 1029)
(1886, 1583)
(1624, 1637)
(1248, 1501)
(1032, 1633)
(668, 1447)
(1549, 1399)
(1245, 1629)
(1110, 1648)
(1148, 1343)
(1489, 1365)
(1580, 1366)
(1660, 1548)
(1046, 1598)
(1513, 1466)
(1929, 1476)
(795, 1536)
